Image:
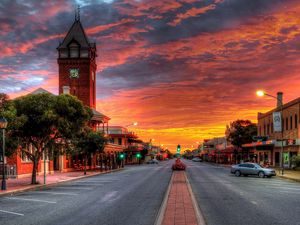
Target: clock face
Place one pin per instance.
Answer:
(74, 73)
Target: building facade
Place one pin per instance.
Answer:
(269, 151)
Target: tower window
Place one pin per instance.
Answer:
(74, 50)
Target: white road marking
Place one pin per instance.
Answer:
(285, 188)
(14, 213)
(55, 193)
(75, 188)
(30, 200)
(289, 192)
(110, 196)
(254, 202)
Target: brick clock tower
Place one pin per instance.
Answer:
(77, 65)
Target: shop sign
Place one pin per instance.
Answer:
(277, 122)
(291, 142)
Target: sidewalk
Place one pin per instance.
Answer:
(289, 174)
(23, 184)
(179, 209)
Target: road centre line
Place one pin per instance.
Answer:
(30, 200)
(14, 213)
(55, 193)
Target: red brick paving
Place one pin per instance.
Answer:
(179, 210)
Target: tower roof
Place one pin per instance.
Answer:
(77, 34)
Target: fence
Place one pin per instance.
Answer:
(10, 171)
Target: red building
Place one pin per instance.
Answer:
(77, 76)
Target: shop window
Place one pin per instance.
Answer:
(291, 122)
(296, 121)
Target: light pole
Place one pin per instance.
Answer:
(261, 94)
(125, 136)
(3, 125)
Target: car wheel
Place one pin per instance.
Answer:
(237, 173)
(261, 174)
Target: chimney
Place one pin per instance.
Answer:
(279, 99)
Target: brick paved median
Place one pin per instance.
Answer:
(179, 209)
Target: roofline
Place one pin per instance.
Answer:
(76, 21)
(286, 105)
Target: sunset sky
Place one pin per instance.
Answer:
(182, 69)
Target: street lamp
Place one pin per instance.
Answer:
(261, 93)
(3, 125)
(125, 136)
(132, 124)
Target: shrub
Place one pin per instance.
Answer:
(296, 160)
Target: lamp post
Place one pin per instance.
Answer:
(125, 136)
(261, 93)
(3, 125)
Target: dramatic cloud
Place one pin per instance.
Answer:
(182, 69)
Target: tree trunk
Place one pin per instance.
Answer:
(34, 170)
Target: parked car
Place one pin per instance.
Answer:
(196, 159)
(152, 161)
(252, 169)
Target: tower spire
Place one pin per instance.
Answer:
(77, 13)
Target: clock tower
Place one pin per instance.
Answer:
(77, 65)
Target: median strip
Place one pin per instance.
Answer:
(180, 207)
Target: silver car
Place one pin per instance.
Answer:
(252, 169)
(197, 159)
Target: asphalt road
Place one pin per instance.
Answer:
(228, 200)
(129, 197)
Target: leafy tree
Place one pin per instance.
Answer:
(241, 132)
(89, 141)
(8, 111)
(45, 118)
(295, 161)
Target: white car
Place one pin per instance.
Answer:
(197, 159)
(152, 161)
